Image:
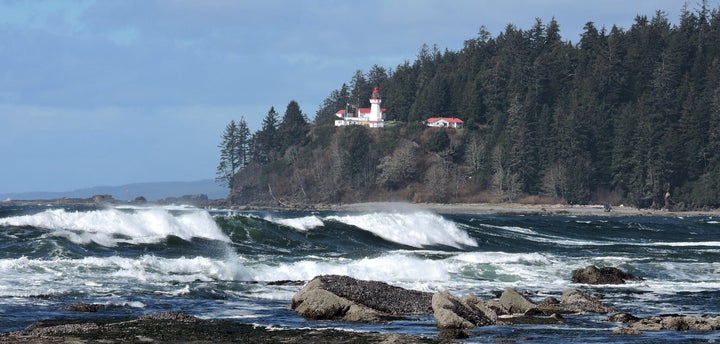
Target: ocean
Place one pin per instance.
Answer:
(218, 264)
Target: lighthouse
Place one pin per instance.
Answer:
(373, 117)
(375, 111)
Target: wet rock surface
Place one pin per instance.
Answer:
(674, 322)
(333, 297)
(82, 307)
(575, 301)
(173, 327)
(347, 299)
(461, 313)
(605, 275)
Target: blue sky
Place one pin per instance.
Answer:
(111, 92)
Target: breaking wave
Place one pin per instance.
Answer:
(110, 227)
(417, 229)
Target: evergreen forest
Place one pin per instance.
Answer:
(623, 116)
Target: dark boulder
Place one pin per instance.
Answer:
(348, 299)
(82, 307)
(623, 318)
(606, 275)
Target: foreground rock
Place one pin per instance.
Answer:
(575, 301)
(333, 297)
(174, 327)
(347, 299)
(667, 322)
(605, 275)
(461, 313)
(82, 307)
(511, 308)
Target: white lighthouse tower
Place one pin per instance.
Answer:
(375, 114)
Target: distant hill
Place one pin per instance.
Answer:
(625, 116)
(151, 191)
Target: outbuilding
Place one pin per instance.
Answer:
(447, 122)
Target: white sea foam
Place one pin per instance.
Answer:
(531, 235)
(502, 258)
(23, 276)
(302, 223)
(392, 267)
(132, 304)
(681, 243)
(416, 229)
(109, 227)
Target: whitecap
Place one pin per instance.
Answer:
(109, 227)
(302, 223)
(417, 229)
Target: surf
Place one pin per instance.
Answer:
(416, 229)
(113, 226)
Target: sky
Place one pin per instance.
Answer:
(112, 92)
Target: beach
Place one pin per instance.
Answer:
(523, 209)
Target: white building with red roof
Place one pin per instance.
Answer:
(373, 117)
(446, 122)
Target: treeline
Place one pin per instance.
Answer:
(623, 116)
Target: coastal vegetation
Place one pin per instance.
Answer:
(623, 116)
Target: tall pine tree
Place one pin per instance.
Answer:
(233, 152)
(294, 127)
(266, 143)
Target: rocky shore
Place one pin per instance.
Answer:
(522, 209)
(172, 327)
(343, 298)
(202, 201)
(346, 299)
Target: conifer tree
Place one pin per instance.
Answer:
(265, 142)
(243, 142)
(294, 127)
(233, 152)
(620, 116)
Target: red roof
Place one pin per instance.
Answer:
(340, 112)
(376, 93)
(446, 119)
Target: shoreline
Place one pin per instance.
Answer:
(523, 209)
(178, 327)
(440, 208)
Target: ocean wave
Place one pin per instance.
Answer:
(515, 232)
(23, 276)
(391, 267)
(419, 229)
(301, 223)
(109, 227)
